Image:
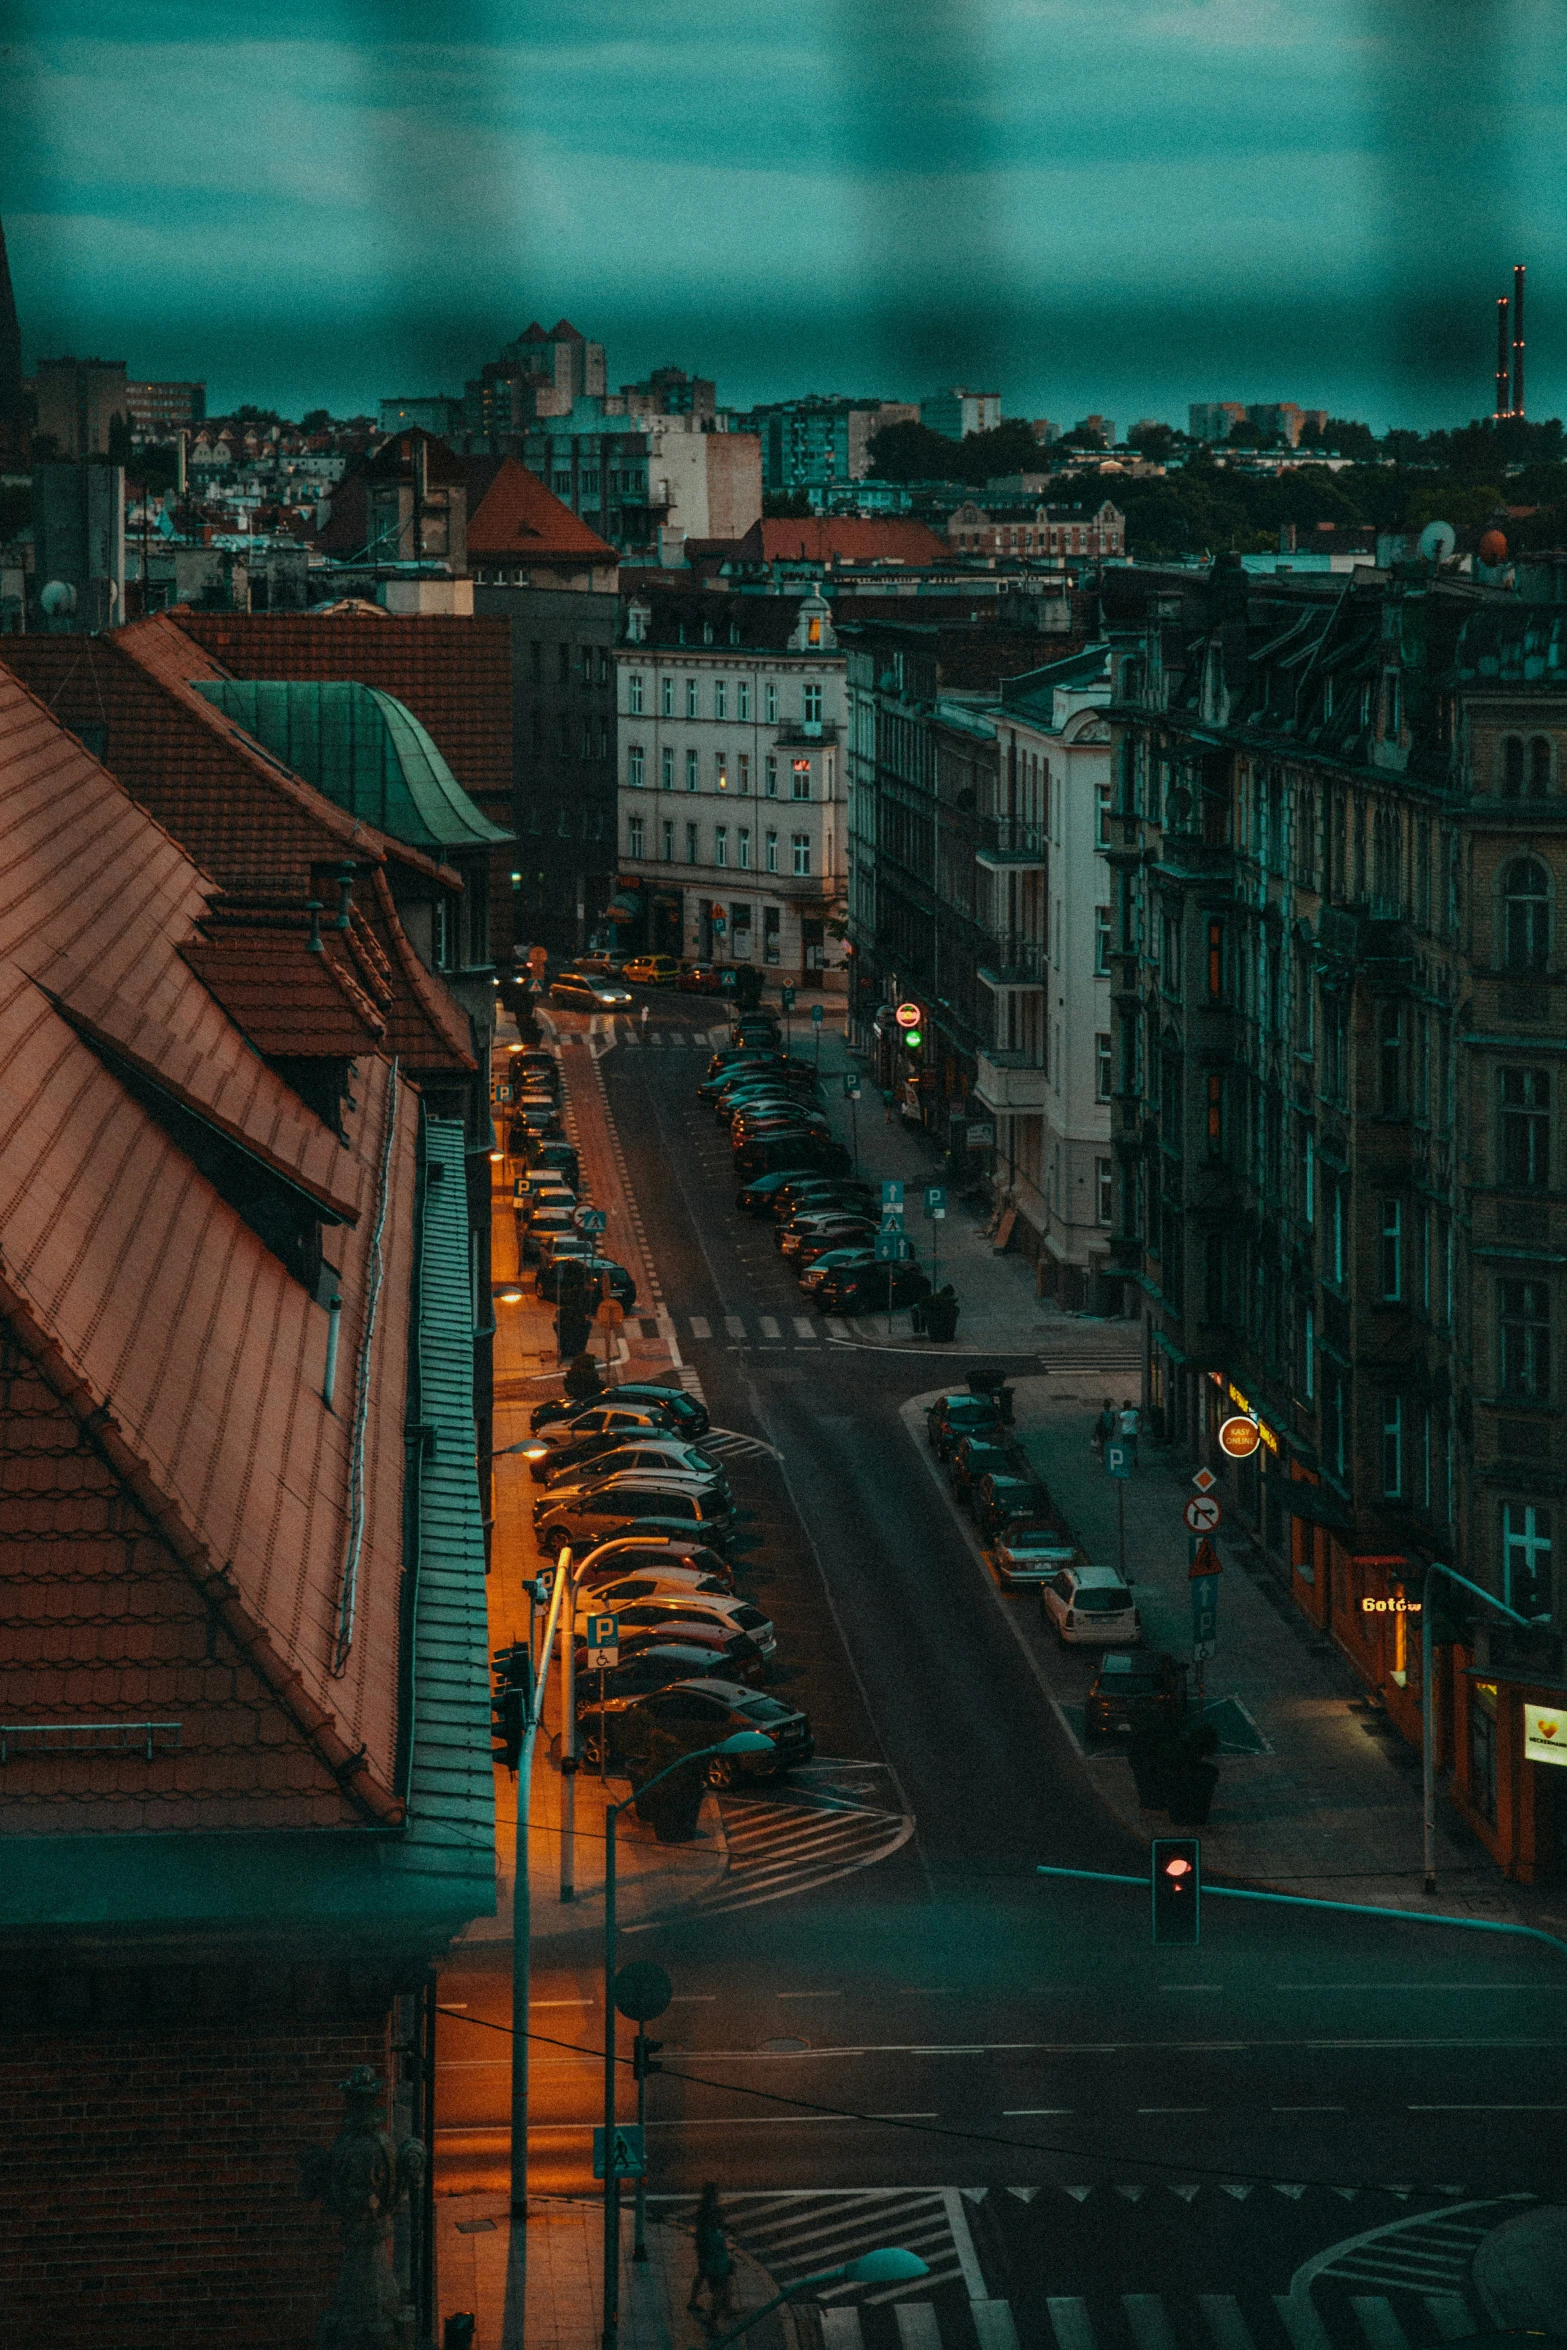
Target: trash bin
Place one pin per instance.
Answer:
(940, 1316)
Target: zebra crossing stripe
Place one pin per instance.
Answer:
(1226, 2324)
(994, 2324)
(734, 1325)
(769, 1327)
(917, 2327)
(1450, 2316)
(699, 1326)
(1073, 2327)
(841, 2329)
(1377, 2322)
(1150, 2327)
(838, 1326)
(1302, 2324)
(804, 1327)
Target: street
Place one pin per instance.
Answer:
(887, 2016)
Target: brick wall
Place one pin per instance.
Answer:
(149, 2183)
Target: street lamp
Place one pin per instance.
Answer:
(739, 1742)
(889, 2266)
(1427, 1739)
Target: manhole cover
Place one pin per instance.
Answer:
(784, 2047)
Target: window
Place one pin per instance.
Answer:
(1390, 1251)
(669, 841)
(1215, 1116)
(743, 772)
(1215, 961)
(666, 769)
(1308, 1356)
(562, 482)
(770, 842)
(1525, 1318)
(1170, 952)
(691, 856)
(743, 699)
(666, 697)
(1103, 1076)
(1390, 1058)
(1539, 767)
(1336, 1236)
(800, 843)
(720, 697)
(770, 777)
(1526, 1128)
(634, 684)
(1102, 816)
(1393, 1446)
(1526, 915)
(1526, 1557)
(811, 704)
(1104, 1185)
(1512, 767)
(771, 946)
(636, 766)
(1101, 942)
(634, 832)
(720, 770)
(802, 778)
(743, 848)
(693, 770)
(770, 705)
(692, 707)
(720, 844)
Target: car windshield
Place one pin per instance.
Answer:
(763, 1709)
(1135, 1684)
(1102, 1602)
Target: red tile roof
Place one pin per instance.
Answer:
(246, 819)
(292, 1002)
(518, 520)
(844, 538)
(175, 1497)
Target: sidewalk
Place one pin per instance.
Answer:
(565, 2261)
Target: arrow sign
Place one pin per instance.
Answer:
(892, 1198)
(1205, 1561)
(891, 1247)
(1202, 1515)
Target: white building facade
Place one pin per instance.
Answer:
(1048, 1078)
(732, 789)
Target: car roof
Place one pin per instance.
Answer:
(1099, 1579)
(732, 1693)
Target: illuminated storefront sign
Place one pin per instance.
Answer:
(1239, 1438)
(1545, 1733)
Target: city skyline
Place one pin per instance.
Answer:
(1173, 204)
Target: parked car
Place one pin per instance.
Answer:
(756, 1028)
(542, 1188)
(635, 1676)
(761, 1197)
(858, 1257)
(698, 979)
(633, 1504)
(596, 1272)
(758, 1154)
(1145, 1692)
(610, 1417)
(735, 1653)
(953, 1416)
(1090, 1607)
(1029, 1551)
(555, 1245)
(804, 1238)
(872, 1288)
(651, 971)
(815, 1195)
(697, 1713)
(652, 1530)
(604, 962)
(658, 1456)
(670, 1612)
(599, 1593)
(581, 992)
(548, 1463)
(687, 1411)
(554, 1157)
(534, 1066)
(560, 1221)
(983, 1453)
(732, 1061)
(1000, 1497)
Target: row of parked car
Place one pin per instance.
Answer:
(548, 1196)
(650, 1521)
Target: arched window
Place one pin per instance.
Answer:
(1539, 767)
(1527, 915)
(1512, 767)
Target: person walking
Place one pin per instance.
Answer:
(714, 2266)
(1130, 1421)
(1104, 1428)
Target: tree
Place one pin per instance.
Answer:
(1156, 441)
(912, 452)
(315, 420)
(785, 505)
(1349, 439)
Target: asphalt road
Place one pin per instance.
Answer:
(1207, 2117)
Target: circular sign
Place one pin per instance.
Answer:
(1202, 1514)
(610, 1314)
(642, 1991)
(1239, 1437)
(908, 1015)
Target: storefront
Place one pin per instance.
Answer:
(1510, 1767)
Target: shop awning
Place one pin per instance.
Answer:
(1315, 1503)
(622, 908)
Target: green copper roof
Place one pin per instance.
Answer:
(365, 750)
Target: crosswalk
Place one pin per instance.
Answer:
(801, 2231)
(833, 1819)
(733, 1445)
(631, 1032)
(802, 1329)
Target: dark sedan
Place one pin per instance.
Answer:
(953, 1416)
(872, 1288)
(699, 979)
(818, 1194)
(737, 1655)
(698, 1713)
(1000, 1498)
(808, 1237)
(687, 1413)
(983, 1454)
(761, 1197)
(759, 1154)
(593, 1273)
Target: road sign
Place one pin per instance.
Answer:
(591, 1219)
(603, 1642)
(851, 1085)
(609, 1313)
(1205, 1480)
(1205, 1613)
(786, 997)
(1118, 1460)
(643, 1991)
(817, 1015)
(1202, 1514)
(892, 1198)
(891, 1247)
(1205, 1561)
(1202, 1651)
(908, 1015)
(629, 2158)
(935, 1202)
(538, 957)
(1239, 1437)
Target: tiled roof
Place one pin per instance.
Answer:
(517, 519)
(291, 1001)
(846, 538)
(176, 1499)
(453, 674)
(250, 823)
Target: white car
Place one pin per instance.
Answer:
(648, 1456)
(655, 1610)
(1091, 1607)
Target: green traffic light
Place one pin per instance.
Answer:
(912, 1039)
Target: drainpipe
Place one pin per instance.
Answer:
(334, 1321)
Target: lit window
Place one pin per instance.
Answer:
(721, 770)
(802, 779)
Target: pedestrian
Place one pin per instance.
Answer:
(1131, 1421)
(714, 2267)
(646, 1010)
(1104, 1428)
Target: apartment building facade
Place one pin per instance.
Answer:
(732, 793)
(1340, 847)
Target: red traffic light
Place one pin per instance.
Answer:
(1176, 1886)
(1177, 1868)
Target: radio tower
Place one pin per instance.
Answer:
(1501, 409)
(1518, 340)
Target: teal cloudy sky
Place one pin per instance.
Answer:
(1088, 204)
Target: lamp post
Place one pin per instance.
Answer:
(1427, 1735)
(741, 1742)
(889, 2266)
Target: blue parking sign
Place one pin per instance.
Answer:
(817, 1015)
(1118, 1460)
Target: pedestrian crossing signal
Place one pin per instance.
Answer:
(1177, 1888)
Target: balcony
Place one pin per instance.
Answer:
(1007, 845)
(1010, 1081)
(1011, 963)
(806, 733)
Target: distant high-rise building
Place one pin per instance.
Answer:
(13, 412)
(1044, 430)
(957, 413)
(821, 440)
(78, 401)
(1212, 420)
(1098, 429)
(157, 411)
(79, 536)
(669, 391)
(432, 412)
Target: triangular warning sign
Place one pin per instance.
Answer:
(1023, 2194)
(1132, 2194)
(1294, 2193)
(974, 2194)
(1205, 1560)
(1240, 2193)
(1186, 2194)
(1078, 2194)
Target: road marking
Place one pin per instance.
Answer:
(841, 2329)
(1175, 2109)
(804, 1327)
(1225, 2322)
(1022, 2113)
(763, 2121)
(734, 1325)
(1308, 2109)
(1150, 2327)
(994, 2324)
(917, 2327)
(769, 1327)
(1377, 2322)
(699, 1326)
(1071, 2322)
(1450, 2316)
(1302, 2324)
(1485, 2109)
(963, 2245)
(810, 1994)
(837, 1326)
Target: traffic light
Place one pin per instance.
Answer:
(510, 1702)
(1177, 1888)
(643, 2052)
(913, 1038)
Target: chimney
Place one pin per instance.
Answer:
(1518, 340)
(1501, 356)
